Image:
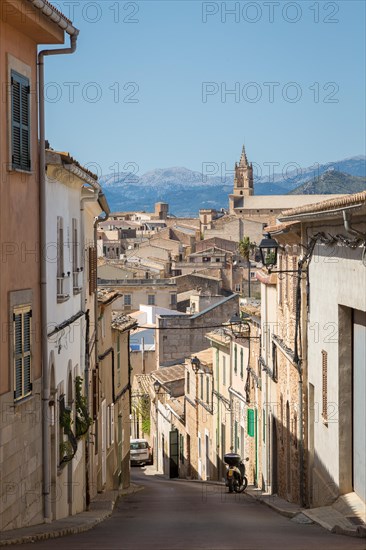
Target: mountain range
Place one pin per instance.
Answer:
(331, 182)
(187, 191)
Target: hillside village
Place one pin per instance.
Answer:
(239, 330)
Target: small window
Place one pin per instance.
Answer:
(127, 299)
(173, 299)
(241, 363)
(224, 370)
(22, 335)
(237, 288)
(151, 299)
(201, 387)
(20, 122)
(207, 390)
(235, 359)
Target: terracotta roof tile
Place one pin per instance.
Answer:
(343, 200)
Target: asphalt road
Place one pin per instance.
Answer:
(180, 515)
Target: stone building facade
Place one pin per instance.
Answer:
(177, 337)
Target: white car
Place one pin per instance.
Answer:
(139, 451)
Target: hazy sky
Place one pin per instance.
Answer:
(150, 83)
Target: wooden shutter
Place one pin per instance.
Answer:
(95, 395)
(324, 384)
(294, 284)
(250, 420)
(22, 331)
(280, 282)
(92, 269)
(20, 122)
(60, 247)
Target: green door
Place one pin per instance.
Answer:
(173, 454)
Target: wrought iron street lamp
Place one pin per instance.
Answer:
(268, 250)
(157, 386)
(196, 364)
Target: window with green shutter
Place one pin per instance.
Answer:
(20, 122)
(250, 420)
(22, 333)
(241, 363)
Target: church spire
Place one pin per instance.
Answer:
(243, 158)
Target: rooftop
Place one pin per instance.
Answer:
(122, 322)
(106, 295)
(166, 375)
(67, 159)
(333, 204)
(176, 404)
(205, 356)
(136, 282)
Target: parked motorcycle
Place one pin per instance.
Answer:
(235, 475)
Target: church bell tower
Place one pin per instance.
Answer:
(243, 179)
(243, 182)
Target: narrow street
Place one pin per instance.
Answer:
(170, 514)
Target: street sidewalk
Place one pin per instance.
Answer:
(100, 508)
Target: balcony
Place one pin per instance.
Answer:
(77, 280)
(63, 287)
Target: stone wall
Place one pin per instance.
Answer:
(179, 336)
(196, 282)
(21, 500)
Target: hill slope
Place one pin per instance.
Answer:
(331, 182)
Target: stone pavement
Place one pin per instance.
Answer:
(100, 508)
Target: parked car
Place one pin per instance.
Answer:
(139, 451)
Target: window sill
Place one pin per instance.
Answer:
(77, 290)
(62, 298)
(21, 171)
(23, 400)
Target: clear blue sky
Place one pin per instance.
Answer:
(174, 47)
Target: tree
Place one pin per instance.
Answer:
(246, 248)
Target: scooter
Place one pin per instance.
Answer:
(235, 475)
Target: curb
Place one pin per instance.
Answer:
(87, 525)
(286, 513)
(37, 537)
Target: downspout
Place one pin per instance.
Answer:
(347, 225)
(73, 32)
(104, 205)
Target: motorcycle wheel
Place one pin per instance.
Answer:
(231, 488)
(241, 488)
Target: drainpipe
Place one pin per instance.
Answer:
(104, 205)
(347, 225)
(73, 32)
